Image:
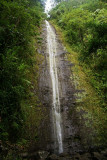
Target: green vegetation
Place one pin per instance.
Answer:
(81, 26)
(88, 103)
(19, 64)
(84, 24)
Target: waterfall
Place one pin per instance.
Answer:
(49, 4)
(56, 116)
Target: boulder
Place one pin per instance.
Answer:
(77, 157)
(104, 153)
(53, 157)
(64, 154)
(34, 155)
(43, 154)
(98, 156)
(86, 156)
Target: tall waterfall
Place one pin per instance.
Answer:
(56, 116)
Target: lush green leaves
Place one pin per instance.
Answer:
(84, 23)
(19, 22)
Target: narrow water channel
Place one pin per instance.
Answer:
(56, 115)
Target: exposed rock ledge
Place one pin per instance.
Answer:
(44, 155)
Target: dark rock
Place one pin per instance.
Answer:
(75, 133)
(53, 157)
(34, 155)
(77, 137)
(1, 147)
(5, 151)
(64, 155)
(97, 156)
(77, 157)
(104, 153)
(67, 126)
(86, 156)
(43, 154)
(24, 155)
(65, 158)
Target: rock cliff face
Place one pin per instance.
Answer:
(76, 136)
(71, 127)
(77, 139)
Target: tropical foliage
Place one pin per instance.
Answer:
(84, 23)
(19, 25)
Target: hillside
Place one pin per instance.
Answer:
(53, 76)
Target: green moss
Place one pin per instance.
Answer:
(87, 100)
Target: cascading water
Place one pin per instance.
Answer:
(49, 4)
(56, 115)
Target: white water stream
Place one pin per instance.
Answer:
(56, 116)
(49, 4)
